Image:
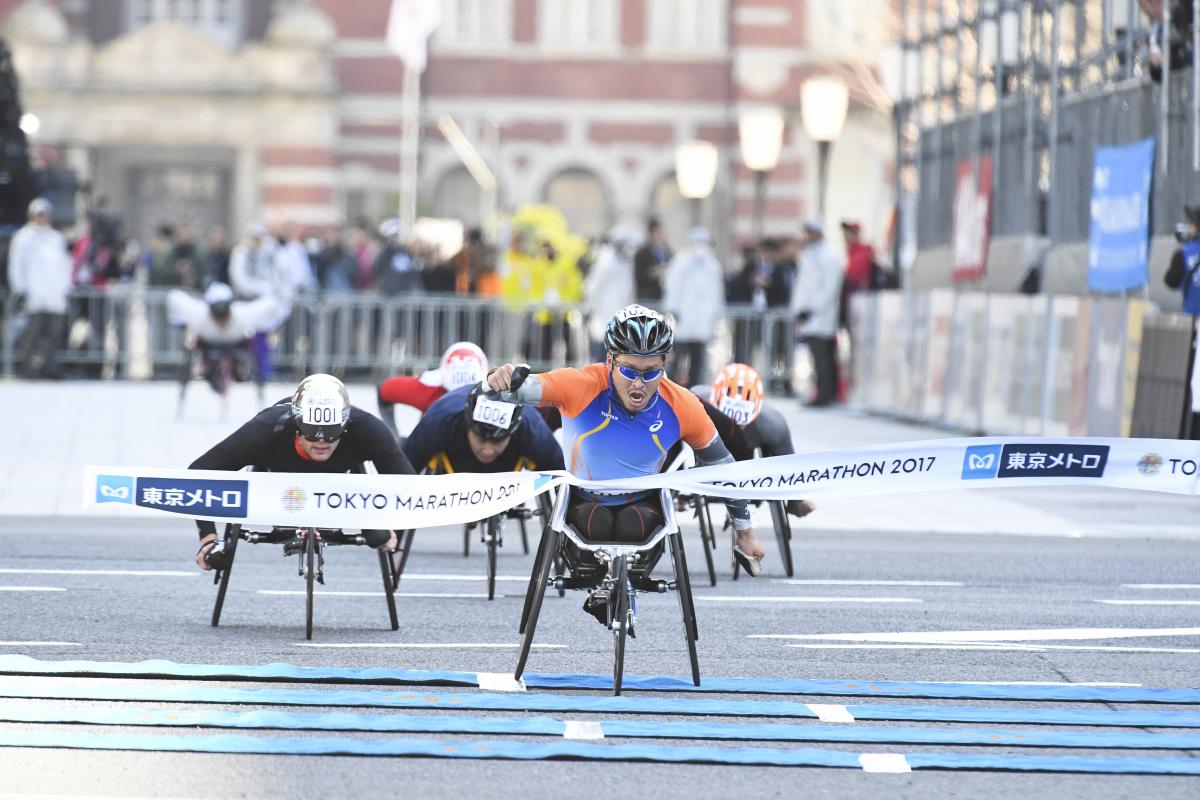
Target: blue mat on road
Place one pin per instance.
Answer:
(635, 729)
(527, 751)
(24, 665)
(135, 691)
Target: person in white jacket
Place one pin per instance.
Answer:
(694, 293)
(609, 285)
(254, 272)
(814, 306)
(221, 326)
(39, 275)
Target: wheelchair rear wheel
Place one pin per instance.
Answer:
(537, 591)
(783, 533)
(233, 533)
(707, 540)
(687, 607)
(389, 590)
(310, 577)
(406, 540)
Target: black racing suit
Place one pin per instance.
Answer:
(268, 444)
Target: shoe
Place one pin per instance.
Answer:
(596, 604)
(800, 508)
(751, 564)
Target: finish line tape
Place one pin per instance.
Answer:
(24, 665)
(411, 501)
(584, 751)
(582, 730)
(136, 691)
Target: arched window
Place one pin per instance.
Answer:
(582, 199)
(457, 197)
(671, 209)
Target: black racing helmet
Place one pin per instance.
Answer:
(321, 408)
(491, 418)
(638, 331)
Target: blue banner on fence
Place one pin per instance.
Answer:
(1119, 245)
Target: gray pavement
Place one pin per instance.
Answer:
(1050, 586)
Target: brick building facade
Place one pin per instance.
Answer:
(290, 108)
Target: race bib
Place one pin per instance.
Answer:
(463, 373)
(320, 412)
(740, 411)
(494, 412)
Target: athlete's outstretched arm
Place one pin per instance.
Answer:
(529, 389)
(717, 453)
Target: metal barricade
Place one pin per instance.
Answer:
(1160, 406)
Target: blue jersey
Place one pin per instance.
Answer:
(439, 442)
(604, 441)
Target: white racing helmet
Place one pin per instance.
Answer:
(321, 408)
(463, 364)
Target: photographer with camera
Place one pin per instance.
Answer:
(1184, 270)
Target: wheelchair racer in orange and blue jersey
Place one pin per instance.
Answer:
(619, 420)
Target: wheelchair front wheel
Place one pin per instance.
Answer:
(620, 621)
(310, 577)
(493, 542)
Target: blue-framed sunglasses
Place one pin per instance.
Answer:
(629, 373)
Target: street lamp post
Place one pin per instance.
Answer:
(823, 104)
(696, 174)
(899, 70)
(760, 133)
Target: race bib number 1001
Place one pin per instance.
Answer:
(323, 414)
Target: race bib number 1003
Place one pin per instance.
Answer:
(739, 411)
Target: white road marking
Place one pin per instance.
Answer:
(1033, 635)
(1149, 602)
(1160, 585)
(499, 682)
(417, 576)
(39, 644)
(884, 762)
(1011, 648)
(297, 592)
(166, 573)
(32, 589)
(423, 645)
(784, 599)
(831, 713)
(579, 729)
(814, 582)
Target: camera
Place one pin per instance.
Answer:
(1184, 232)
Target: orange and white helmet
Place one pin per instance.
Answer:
(738, 393)
(462, 365)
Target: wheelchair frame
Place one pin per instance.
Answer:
(229, 354)
(309, 544)
(618, 559)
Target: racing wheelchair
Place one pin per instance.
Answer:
(613, 572)
(491, 534)
(219, 365)
(309, 545)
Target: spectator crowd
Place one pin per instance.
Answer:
(545, 272)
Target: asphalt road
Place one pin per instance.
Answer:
(1116, 608)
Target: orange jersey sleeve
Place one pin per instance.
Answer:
(695, 427)
(570, 390)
